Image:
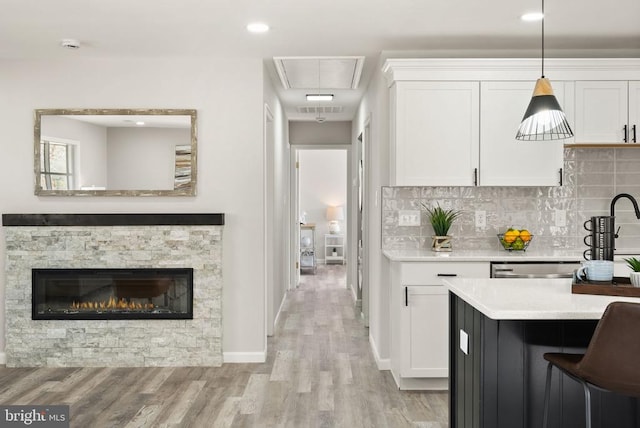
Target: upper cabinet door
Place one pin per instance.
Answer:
(601, 112)
(435, 133)
(505, 161)
(634, 112)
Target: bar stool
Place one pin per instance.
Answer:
(610, 362)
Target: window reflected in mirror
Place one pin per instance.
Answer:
(115, 152)
(57, 167)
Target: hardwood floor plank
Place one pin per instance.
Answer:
(182, 404)
(81, 390)
(229, 410)
(156, 381)
(283, 365)
(325, 392)
(254, 394)
(145, 417)
(304, 375)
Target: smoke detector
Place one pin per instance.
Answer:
(70, 44)
(320, 119)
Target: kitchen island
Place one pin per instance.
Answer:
(499, 331)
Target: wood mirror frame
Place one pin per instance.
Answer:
(185, 155)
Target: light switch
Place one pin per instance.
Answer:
(408, 218)
(464, 342)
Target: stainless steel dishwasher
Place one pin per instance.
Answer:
(525, 269)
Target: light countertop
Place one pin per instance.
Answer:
(530, 299)
(482, 255)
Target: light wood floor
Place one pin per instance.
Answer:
(319, 373)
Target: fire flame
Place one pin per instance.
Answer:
(111, 304)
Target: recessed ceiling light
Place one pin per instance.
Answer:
(319, 97)
(533, 16)
(140, 123)
(257, 27)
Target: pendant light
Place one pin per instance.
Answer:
(544, 118)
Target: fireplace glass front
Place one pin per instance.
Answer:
(103, 294)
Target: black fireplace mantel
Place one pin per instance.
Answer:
(187, 219)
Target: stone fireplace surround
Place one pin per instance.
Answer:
(114, 241)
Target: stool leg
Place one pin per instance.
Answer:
(547, 393)
(587, 404)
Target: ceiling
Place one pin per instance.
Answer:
(337, 28)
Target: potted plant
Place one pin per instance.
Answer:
(634, 275)
(441, 221)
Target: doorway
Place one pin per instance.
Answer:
(321, 208)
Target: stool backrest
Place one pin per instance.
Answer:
(612, 360)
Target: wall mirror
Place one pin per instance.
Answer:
(115, 152)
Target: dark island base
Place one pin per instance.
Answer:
(501, 382)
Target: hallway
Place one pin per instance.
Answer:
(321, 354)
(319, 373)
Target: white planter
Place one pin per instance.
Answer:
(635, 278)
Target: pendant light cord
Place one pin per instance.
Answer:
(543, 38)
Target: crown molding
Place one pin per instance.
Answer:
(447, 69)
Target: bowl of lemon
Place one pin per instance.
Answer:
(515, 239)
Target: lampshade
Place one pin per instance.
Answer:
(544, 118)
(335, 213)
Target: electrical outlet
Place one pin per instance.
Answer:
(446, 204)
(561, 218)
(408, 218)
(481, 219)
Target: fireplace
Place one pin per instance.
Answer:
(112, 294)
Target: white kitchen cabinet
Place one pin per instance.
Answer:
(434, 133)
(607, 112)
(420, 321)
(505, 161)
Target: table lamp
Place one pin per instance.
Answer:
(335, 215)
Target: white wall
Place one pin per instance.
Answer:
(375, 107)
(323, 183)
(320, 133)
(228, 95)
(126, 147)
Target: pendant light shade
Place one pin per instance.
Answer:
(544, 118)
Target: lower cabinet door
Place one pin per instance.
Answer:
(425, 327)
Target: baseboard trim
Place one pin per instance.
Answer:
(383, 364)
(3, 358)
(275, 321)
(244, 357)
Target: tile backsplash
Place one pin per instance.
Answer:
(592, 177)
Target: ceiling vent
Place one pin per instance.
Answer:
(320, 109)
(342, 72)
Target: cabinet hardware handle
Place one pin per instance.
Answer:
(406, 296)
(561, 176)
(633, 128)
(475, 176)
(624, 137)
(447, 274)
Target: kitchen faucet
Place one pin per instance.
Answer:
(633, 201)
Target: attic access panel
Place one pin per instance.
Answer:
(319, 72)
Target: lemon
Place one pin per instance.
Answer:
(510, 236)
